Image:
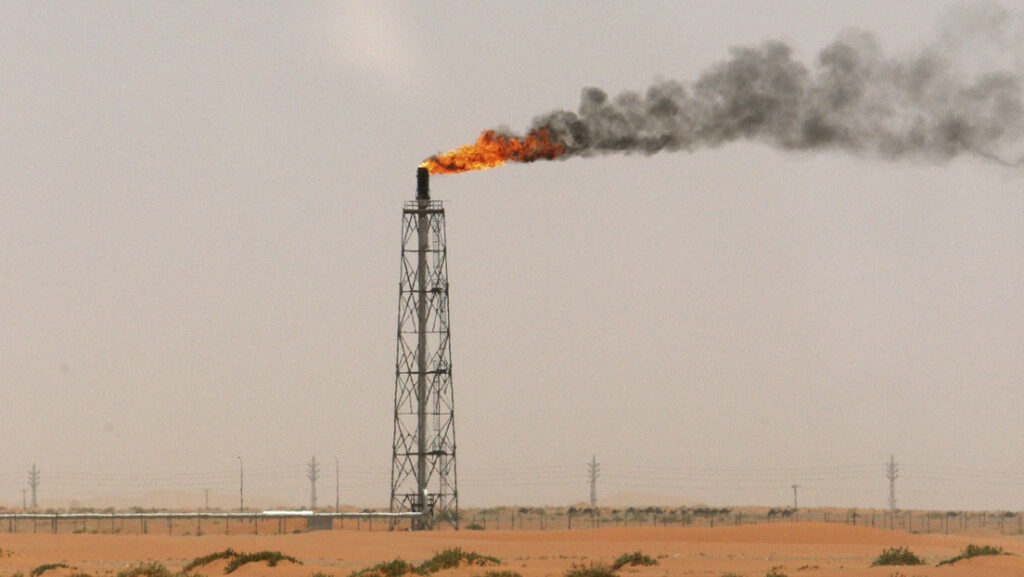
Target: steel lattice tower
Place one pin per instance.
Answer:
(423, 451)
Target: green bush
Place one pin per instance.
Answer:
(501, 574)
(271, 557)
(974, 551)
(633, 560)
(897, 556)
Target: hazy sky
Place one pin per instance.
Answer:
(199, 253)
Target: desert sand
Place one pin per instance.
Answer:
(811, 549)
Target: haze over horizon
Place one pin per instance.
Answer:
(199, 252)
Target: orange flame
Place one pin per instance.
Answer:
(492, 149)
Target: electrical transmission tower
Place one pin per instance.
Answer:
(313, 475)
(33, 483)
(892, 472)
(593, 472)
(795, 487)
(423, 474)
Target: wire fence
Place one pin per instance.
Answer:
(925, 522)
(508, 519)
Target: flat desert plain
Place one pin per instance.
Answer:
(792, 549)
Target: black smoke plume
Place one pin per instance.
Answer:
(854, 98)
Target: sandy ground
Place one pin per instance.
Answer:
(793, 549)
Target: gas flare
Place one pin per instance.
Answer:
(934, 104)
(494, 149)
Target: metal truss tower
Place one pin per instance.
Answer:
(423, 474)
(892, 472)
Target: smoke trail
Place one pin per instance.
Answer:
(854, 99)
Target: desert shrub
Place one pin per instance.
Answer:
(731, 574)
(151, 569)
(501, 574)
(451, 558)
(634, 559)
(395, 568)
(897, 556)
(320, 574)
(46, 567)
(228, 553)
(271, 557)
(590, 571)
(447, 559)
(974, 551)
(475, 527)
(775, 573)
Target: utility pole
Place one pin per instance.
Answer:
(313, 475)
(892, 472)
(241, 485)
(593, 472)
(24, 506)
(337, 483)
(206, 494)
(33, 482)
(795, 487)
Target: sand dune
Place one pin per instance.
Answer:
(816, 549)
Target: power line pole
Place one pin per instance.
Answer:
(337, 483)
(593, 472)
(241, 485)
(892, 472)
(795, 487)
(313, 475)
(33, 482)
(24, 506)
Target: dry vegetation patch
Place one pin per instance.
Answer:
(447, 559)
(897, 556)
(150, 569)
(36, 572)
(395, 568)
(236, 559)
(228, 553)
(271, 557)
(635, 559)
(591, 570)
(974, 551)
